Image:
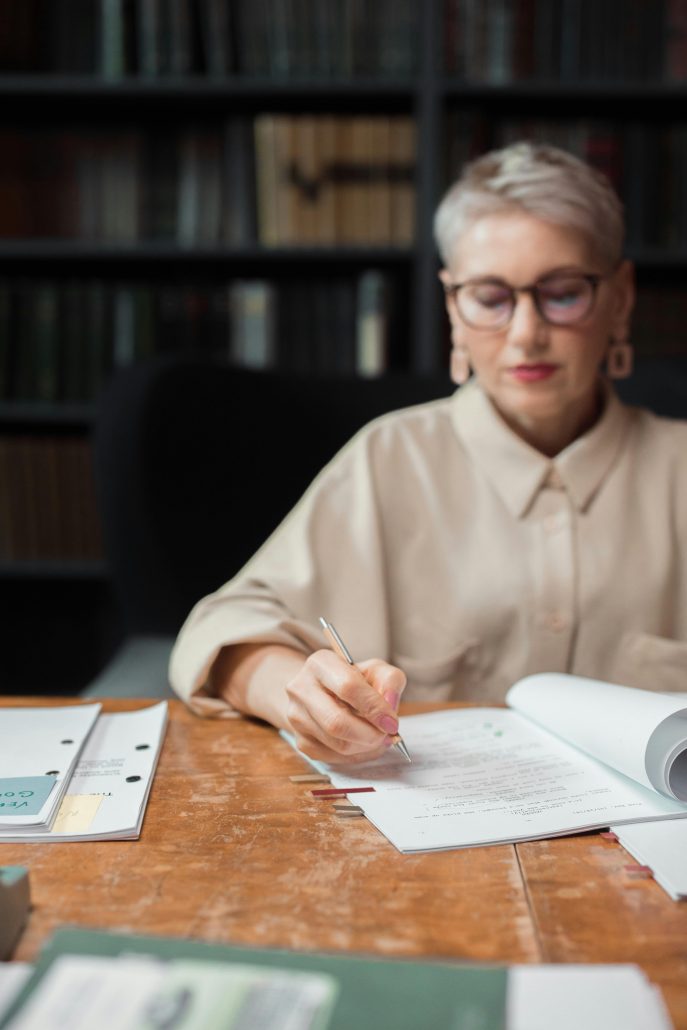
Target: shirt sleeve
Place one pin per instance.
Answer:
(326, 558)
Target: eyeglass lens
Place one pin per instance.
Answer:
(561, 300)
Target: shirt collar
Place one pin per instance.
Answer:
(517, 471)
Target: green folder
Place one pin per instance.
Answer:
(373, 992)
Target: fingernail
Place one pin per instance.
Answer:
(392, 697)
(388, 724)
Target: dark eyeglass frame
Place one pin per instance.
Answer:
(533, 289)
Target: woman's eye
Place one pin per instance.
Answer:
(492, 298)
(563, 295)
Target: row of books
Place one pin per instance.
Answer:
(159, 38)
(647, 163)
(291, 180)
(48, 507)
(502, 41)
(281, 179)
(59, 342)
(120, 186)
(323, 179)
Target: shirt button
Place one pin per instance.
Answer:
(556, 621)
(552, 523)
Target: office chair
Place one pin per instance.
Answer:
(196, 463)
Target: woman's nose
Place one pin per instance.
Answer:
(527, 329)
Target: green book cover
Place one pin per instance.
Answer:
(372, 992)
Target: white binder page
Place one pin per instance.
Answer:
(106, 797)
(487, 776)
(36, 742)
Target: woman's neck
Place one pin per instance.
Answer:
(552, 435)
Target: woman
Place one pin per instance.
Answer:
(528, 523)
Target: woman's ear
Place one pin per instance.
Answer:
(450, 300)
(624, 300)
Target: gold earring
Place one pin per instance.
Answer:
(620, 359)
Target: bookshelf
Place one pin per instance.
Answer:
(166, 184)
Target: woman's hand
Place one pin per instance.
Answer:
(344, 713)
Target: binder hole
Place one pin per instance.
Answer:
(66, 742)
(132, 779)
(142, 747)
(53, 772)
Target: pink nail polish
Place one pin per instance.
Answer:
(388, 724)
(392, 697)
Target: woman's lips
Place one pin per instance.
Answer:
(532, 373)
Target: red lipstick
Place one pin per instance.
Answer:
(533, 373)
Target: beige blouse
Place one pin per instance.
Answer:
(438, 540)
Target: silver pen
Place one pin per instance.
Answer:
(343, 652)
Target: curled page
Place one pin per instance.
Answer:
(640, 733)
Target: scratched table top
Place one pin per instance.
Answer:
(233, 851)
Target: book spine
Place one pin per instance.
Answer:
(371, 336)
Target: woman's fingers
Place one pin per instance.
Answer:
(341, 709)
(388, 680)
(318, 752)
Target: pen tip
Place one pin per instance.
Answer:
(404, 750)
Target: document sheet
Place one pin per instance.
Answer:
(663, 847)
(105, 796)
(569, 754)
(487, 776)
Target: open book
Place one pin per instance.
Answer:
(569, 754)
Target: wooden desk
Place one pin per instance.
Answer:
(232, 851)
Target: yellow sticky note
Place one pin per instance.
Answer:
(76, 813)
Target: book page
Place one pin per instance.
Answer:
(642, 733)
(487, 775)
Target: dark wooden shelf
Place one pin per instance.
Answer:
(54, 569)
(67, 250)
(48, 415)
(201, 86)
(555, 89)
(202, 97)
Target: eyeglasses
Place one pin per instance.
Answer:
(560, 299)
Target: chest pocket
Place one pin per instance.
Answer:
(440, 679)
(651, 663)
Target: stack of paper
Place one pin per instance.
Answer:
(39, 749)
(70, 773)
(662, 846)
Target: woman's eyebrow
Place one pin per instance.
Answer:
(559, 270)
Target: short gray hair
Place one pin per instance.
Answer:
(541, 180)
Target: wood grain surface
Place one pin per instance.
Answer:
(233, 851)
